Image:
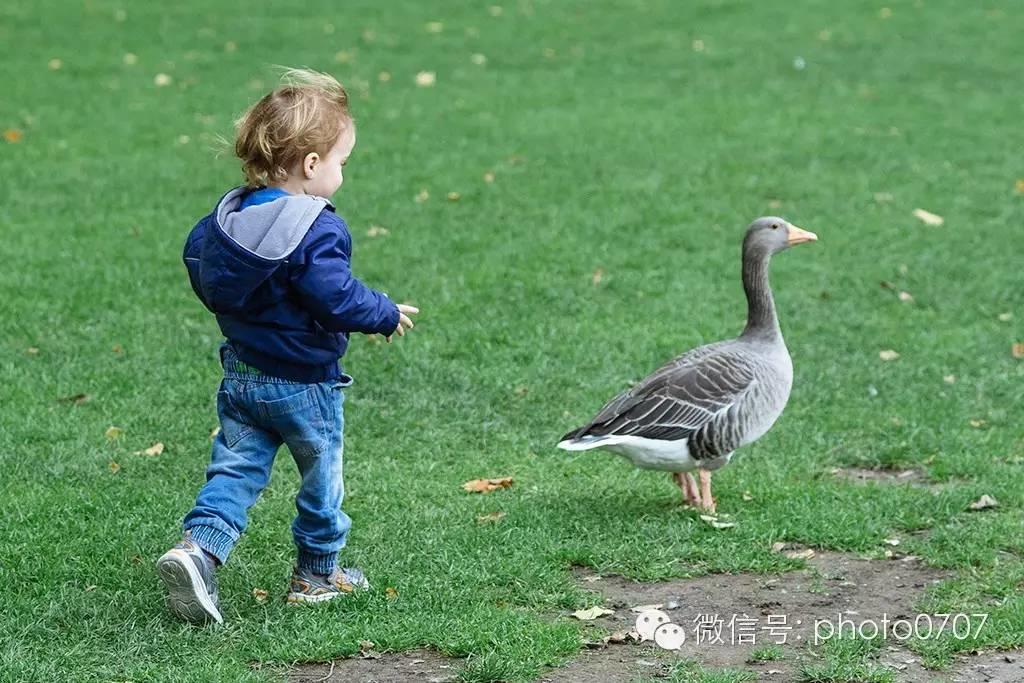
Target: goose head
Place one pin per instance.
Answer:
(770, 234)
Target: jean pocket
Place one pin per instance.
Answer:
(298, 419)
(232, 425)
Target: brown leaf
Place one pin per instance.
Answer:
(1019, 186)
(592, 613)
(259, 594)
(888, 354)
(985, 502)
(117, 348)
(155, 449)
(1017, 350)
(12, 135)
(113, 432)
(805, 554)
(490, 517)
(391, 593)
(929, 218)
(114, 467)
(77, 399)
(487, 485)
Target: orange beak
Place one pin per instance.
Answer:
(799, 235)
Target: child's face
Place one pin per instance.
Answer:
(324, 175)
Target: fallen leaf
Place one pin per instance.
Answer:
(489, 177)
(888, 354)
(117, 348)
(259, 594)
(114, 467)
(949, 379)
(366, 650)
(905, 296)
(113, 432)
(779, 546)
(422, 196)
(592, 613)
(892, 541)
(747, 497)
(1017, 350)
(1019, 186)
(155, 449)
(598, 275)
(12, 135)
(454, 196)
(521, 390)
(377, 231)
(77, 399)
(804, 554)
(929, 218)
(977, 424)
(487, 485)
(391, 593)
(55, 64)
(646, 608)
(714, 522)
(384, 76)
(1006, 317)
(434, 27)
(986, 501)
(478, 59)
(160, 80)
(621, 637)
(32, 351)
(426, 79)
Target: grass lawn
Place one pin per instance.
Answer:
(630, 143)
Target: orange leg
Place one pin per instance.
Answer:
(705, 491)
(688, 485)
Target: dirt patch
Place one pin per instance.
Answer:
(862, 475)
(725, 618)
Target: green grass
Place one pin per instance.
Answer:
(615, 145)
(768, 653)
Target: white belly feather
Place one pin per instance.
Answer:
(649, 454)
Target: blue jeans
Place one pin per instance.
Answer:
(257, 414)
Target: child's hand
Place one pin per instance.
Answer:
(404, 322)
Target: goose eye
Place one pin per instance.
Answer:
(775, 226)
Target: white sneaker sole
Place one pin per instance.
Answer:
(186, 591)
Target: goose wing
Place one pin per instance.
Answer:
(678, 399)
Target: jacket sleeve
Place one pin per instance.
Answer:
(322, 277)
(193, 245)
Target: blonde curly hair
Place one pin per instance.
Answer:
(307, 113)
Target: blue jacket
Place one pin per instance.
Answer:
(278, 276)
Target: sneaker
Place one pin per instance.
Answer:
(307, 587)
(190, 577)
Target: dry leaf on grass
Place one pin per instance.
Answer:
(1017, 350)
(422, 196)
(426, 79)
(985, 502)
(597, 276)
(804, 554)
(592, 613)
(391, 593)
(888, 354)
(32, 351)
(384, 76)
(891, 541)
(114, 467)
(161, 80)
(453, 196)
(113, 432)
(366, 650)
(929, 218)
(155, 449)
(1019, 186)
(12, 135)
(489, 177)
(77, 399)
(978, 424)
(487, 485)
(1005, 317)
(949, 379)
(377, 231)
(259, 594)
(639, 609)
(714, 522)
(905, 296)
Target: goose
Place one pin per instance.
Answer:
(697, 409)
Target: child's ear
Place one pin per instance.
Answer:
(309, 165)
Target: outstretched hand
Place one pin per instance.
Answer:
(404, 322)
